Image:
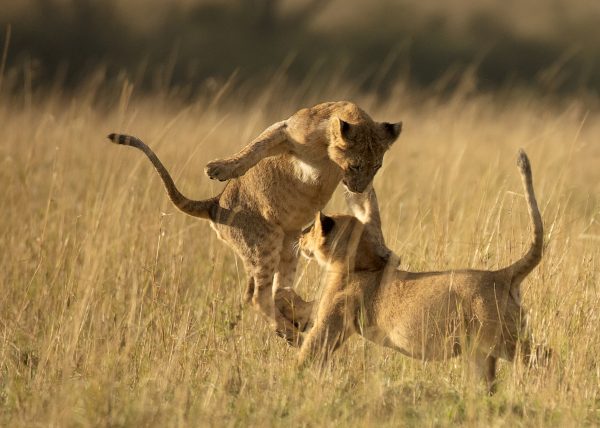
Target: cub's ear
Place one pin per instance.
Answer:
(392, 129)
(324, 223)
(345, 129)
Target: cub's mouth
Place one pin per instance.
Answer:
(352, 188)
(306, 253)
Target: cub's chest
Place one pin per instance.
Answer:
(306, 172)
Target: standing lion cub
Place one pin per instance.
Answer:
(276, 185)
(425, 315)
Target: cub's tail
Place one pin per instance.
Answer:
(203, 209)
(521, 268)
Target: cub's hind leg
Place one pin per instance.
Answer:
(291, 305)
(271, 142)
(531, 355)
(484, 366)
(258, 243)
(264, 303)
(517, 341)
(265, 255)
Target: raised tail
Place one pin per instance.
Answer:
(203, 209)
(521, 268)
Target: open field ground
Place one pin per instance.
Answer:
(117, 310)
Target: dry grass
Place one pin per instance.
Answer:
(115, 309)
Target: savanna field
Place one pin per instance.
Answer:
(118, 310)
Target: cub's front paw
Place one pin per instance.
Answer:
(223, 170)
(294, 309)
(292, 336)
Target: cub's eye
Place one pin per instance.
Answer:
(308, 228)
(354, 167)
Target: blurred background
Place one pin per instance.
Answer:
(115, 310)
(195, 45)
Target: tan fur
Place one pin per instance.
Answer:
(425, 315)
(276, 185)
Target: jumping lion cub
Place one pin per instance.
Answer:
(276, 185)
(425, 315)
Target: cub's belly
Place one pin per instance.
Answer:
(416, 344)
(383, 338)
(296, 206)
(296, 218)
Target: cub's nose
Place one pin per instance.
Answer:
(354, 188)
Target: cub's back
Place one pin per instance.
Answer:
(411, 295)
(310, 125)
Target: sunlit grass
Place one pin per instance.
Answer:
(115, 309)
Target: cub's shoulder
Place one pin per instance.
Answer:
(324, 111)
(350, 112)
(316, 118)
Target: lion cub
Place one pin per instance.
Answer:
(425, 315)
(276, 185)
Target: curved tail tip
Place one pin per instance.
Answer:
(523, 161)
(121, 139)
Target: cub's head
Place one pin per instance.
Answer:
(342, 238)
(358, 149)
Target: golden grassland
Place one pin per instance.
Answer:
(115, 309)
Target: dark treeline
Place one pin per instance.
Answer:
(65, 40)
